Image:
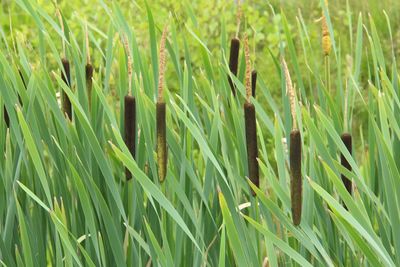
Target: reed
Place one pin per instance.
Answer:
(162, 156)
(296, 190)
(250, 123)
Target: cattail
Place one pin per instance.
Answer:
(295, 171)
(234, 62)
(66, 77)
(253, 82)
(347, 140)
(250, 123)
(295, 152)
(130, 128)
(326, 39)
(130, 110)
(162, 157)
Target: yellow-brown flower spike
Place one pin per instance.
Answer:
(326, 38)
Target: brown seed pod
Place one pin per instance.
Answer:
(253, 82)
(295, 176)
(251, 142)
(234, 61)
(130, 128)
(162, 156)
(347, 140)
(66, 77)
(89, 76)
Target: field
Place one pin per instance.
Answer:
(199, 133)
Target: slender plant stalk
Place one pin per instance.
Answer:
(162, 157)
(250, 123)
(296, 190)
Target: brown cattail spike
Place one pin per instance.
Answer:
(66, 77)
(89, 76)
(347, 140)
(130, 128)
(251, 142)
(295, 176)
(234, 62)
(162, 156)
(253, 83)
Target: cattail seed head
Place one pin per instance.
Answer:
(234, 62)
(295, 176)
(251, 143)
(130, 127)
(347, 140)
(66, 77)
(162, 156)
(253, 83)
(248, 68)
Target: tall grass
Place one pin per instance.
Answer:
(64, 199)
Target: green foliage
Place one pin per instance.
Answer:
(64, 197)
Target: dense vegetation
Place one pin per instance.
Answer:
(128, 135)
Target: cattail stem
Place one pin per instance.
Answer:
(253, 82)
(89, 76)
(295, 176)
(162, 156)
(347, 140)
(130, 128)
(234, 62)
(66, 77)
(251, 142)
